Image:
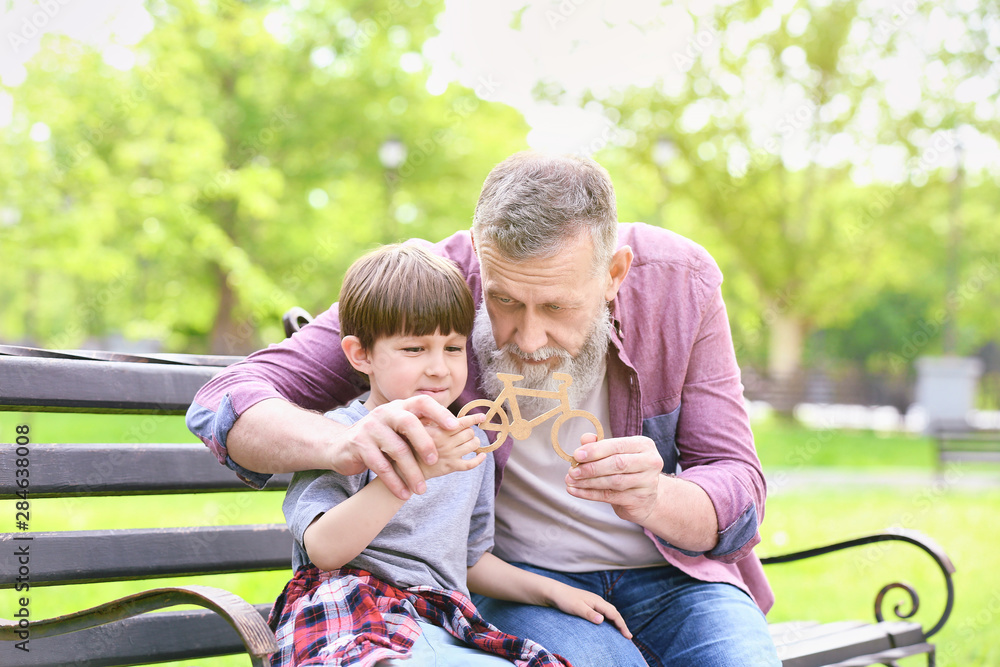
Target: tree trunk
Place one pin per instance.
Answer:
(784, 355)
(228, 337)
(784, 362)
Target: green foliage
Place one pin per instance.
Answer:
(232, 172)
(747, 113)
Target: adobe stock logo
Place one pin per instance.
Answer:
(34, 22)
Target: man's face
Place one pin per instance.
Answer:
(542, 306)
(544, 316)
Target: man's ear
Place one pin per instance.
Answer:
(621, 262)
(356, 354)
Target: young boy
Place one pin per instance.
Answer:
(378, 578)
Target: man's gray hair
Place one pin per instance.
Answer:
(533, 203)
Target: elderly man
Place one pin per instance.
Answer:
(660, 517)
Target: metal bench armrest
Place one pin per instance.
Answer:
(902, 535)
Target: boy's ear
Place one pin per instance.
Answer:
(356, 354)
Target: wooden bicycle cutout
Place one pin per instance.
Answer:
(517, 426)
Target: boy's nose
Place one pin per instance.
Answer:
(436, 365)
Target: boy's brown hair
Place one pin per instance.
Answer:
(403, 289)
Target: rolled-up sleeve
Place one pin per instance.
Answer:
(714, 438)
(309, 370)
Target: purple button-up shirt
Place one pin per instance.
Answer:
(672, 376)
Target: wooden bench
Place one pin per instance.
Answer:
(966, 446)
(120, 632)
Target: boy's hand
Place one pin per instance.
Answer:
(586, 605)
(452, 446)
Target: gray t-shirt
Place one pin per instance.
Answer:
(430, 541)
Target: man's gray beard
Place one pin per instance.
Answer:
(587, 367)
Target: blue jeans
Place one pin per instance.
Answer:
(674, 619)
(435, 647)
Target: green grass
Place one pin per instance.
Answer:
(834, 587)
(785, 445)
(56, 427)
(844, 585)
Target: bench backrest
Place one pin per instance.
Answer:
(162, 385)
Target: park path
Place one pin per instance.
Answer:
(787, 480)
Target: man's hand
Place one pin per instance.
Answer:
(390, 439)
(623, 472)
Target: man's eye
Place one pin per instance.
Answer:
(554, 307)
(503, 299)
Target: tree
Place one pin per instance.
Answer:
(789, 142)
(233, 171)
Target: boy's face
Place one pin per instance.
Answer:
(404, 366)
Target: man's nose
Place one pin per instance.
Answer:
(531, 335)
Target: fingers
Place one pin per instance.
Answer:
(615, 457)
(386, 440)
(611, 613)
(471, 420)
(410, 428)
(426, 408)
(391, 439)
(458, 443)
(623, 472)
(596, 609)
(414, 417)
(391, 458)
(381, 465)
(599, 450)
(468, 464)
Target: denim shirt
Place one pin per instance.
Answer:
(672, 377)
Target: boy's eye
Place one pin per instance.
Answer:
(454, 348)
(412, 349)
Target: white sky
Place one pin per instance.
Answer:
(596, 44)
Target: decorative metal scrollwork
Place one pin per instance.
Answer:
(914, 601)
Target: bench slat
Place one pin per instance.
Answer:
(120, 555)
(62, 470)
(883, 657)
(799, 631)
(146, 639)
(74, 385)
(105, 355)
(849, 642)
(970, 456)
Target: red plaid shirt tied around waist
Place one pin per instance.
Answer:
(349, 617)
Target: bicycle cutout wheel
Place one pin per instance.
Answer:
(562, 419)
(497, 420)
